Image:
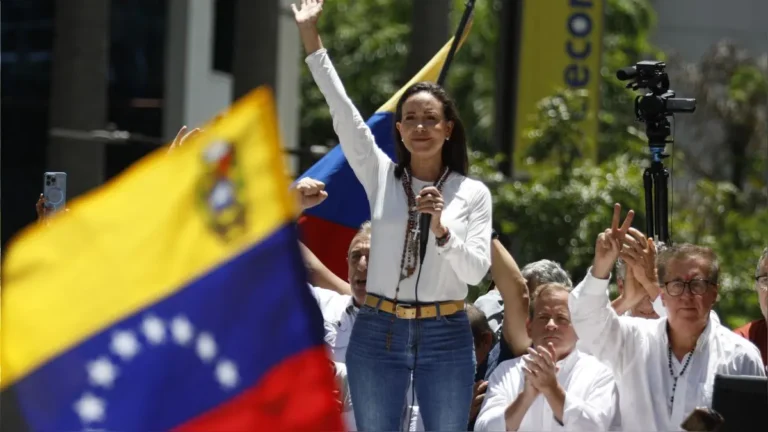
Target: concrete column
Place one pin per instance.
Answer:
(79, 91)
(256, 33)
(290, 61)
(194, 92)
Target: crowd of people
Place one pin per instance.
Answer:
(531, 354)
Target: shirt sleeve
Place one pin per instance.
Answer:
(323, 296)
(749, 362)
(596, 412)
(357, 141)
(604, 334)
(503, 387)
(470, 257)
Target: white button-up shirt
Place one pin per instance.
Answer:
(590, 397)
(339, 313)
(636, 349)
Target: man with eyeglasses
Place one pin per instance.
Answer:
(757, 331)
(665, 368)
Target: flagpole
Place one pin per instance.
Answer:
(469, 7)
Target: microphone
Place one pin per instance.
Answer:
(424, 220)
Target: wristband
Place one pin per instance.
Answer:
(442, 241)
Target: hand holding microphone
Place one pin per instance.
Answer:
(430, 204)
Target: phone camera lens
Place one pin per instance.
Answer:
(53, 179)
(48, 183)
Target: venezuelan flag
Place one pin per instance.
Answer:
(172, 298)
(328, 229)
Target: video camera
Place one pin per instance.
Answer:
(654, 107)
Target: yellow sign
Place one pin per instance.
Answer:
(560, 49)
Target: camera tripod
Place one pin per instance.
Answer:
(654, 109)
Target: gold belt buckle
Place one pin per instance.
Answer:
(405, 312)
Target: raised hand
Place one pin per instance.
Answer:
(311, 192)
(307, 14)
(639, 253)
(183, 136)
(633, 290)
(608, 243)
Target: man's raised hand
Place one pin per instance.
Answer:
(608, 243)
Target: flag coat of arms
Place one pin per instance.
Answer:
(328, 229)
(171, 298)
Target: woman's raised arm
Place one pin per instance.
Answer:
(357, 141)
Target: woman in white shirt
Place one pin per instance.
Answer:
(413, 317)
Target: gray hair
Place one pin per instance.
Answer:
(545, 272)
(363, 232)
(761, 261)
(684, 251)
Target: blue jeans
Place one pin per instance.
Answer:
(440, 351)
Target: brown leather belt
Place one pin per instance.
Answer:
(406, 311)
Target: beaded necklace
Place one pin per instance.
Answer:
(411, 244)
(672, 373)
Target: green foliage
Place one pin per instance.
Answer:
(557, 218)
(472, 78)
(628, 24)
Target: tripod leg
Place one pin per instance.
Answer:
(649, 215)
(662, 205)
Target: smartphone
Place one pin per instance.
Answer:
(55, 190)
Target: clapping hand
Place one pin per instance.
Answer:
(541, 368)
(608, 243)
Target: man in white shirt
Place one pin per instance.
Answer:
(666, 367)
(554, 386)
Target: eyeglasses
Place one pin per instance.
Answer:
(695, 286)
(762, 282)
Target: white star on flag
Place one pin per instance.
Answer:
(206, 347)
(226, 374)
(182, 330)
(125, 344)
(153, 329)
(101, 372)
(90, 408)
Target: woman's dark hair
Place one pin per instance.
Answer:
(454, 150)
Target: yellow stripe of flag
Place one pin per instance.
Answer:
(430, 71)
(141, 238)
